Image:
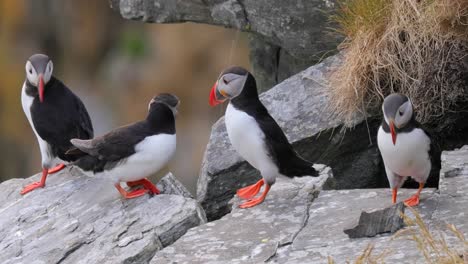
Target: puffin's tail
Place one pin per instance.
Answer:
(298, 167)
(74, 153)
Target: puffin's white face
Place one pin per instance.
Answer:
(228, 86)
(32, 73)
(397, 111)
(170, 100)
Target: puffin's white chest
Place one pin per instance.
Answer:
(46, 153)
(409, 156)
(151, 155)
(248, 139)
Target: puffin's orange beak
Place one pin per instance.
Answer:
(41, 88)
(392, 131)
(213, 100)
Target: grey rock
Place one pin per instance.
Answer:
(336, 210)
(170, 185)
(301, 28)
(300, 106)
(387, 220)
(295, 226)
(80, 219)
(272, 64)
(253, 234)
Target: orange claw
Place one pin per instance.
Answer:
(57, 168)
(414, 200)
(147, 184)
(132, 194)
(35, 185)
(250, 191)
(394, 195)
(259, 200)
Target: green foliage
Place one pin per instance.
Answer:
(133, 44)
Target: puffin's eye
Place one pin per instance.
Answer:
(224, 81)
(30, 71)
(400, 113)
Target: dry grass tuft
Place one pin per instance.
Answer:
(434, 248)
(415, 47)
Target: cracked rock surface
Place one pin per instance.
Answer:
(294, 227)
(79, 219)
(252, 234)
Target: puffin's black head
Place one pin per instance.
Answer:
(168, 99)
(39, 69)
(398, 111)
(229, 85)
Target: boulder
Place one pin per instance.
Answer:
(284, 39)
(254, 233)
(300, 105)
(294, 225)
(80, 219)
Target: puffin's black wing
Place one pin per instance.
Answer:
(288, 161)
(61, 117)
(109, 149)
(115, 145)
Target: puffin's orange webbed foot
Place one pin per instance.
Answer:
(132, 194)
(258, 200)
(147, 184)
(250, 191)
(412, 201)
(32, 187)
(35, 185)
(56, 168)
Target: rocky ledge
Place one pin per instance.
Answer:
(299, 224)
(78, 219)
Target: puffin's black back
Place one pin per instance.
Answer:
(281, 151)
(61, 117)
(117, 145)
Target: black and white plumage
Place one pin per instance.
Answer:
(404, 145)
(133, 152)
(254, 134)
(55, 114)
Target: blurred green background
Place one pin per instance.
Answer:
(116, 66)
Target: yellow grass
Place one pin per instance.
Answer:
(413, 47)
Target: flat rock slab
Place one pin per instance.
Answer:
(252, 234)
(334, 211)
(79, 219)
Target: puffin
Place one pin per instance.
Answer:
(132, 152)
(404, 146)
(255, 135)
(55, 114)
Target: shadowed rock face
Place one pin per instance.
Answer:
(387, 220)
(78, 218)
